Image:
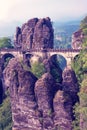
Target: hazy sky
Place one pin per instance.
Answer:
(21, 10)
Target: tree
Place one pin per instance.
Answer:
(38, 69)
(5, 114)
(5, 43)
(80, 67)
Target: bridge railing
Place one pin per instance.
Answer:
(10, 50)
(53, 50)
(64, 50)
(40, 50)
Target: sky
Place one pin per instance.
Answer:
(16, 12)
(22, 10)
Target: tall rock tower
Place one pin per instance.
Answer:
(35, 34)
(77, 39)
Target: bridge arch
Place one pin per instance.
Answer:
(61, 60)
(33, 57)
(76, 57)
(6, 55)
(67, 54)
(5, 59)
(15, 52)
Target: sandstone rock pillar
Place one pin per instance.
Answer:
(21, 83)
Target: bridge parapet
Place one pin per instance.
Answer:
(68, 54)
(9, 50)
(14, 52)
(40, 49)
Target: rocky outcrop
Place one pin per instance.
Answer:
(77, 39)
(70, 84)
(35, 34)
(1, 91)
(40, 104)
(62, 107)
(70, 88)
(44, 90)
(23, 102)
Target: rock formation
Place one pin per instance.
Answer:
(44, 90)
(35, 34)
(70, 88)
(23, 102)
(62, 107)
(1, 91)
(77, 39)
(40, 104)
(70, 84)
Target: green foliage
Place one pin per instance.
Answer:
(5, 115)
(80, 66)
(84, 23)
(5, 43)
(85, 30)
(38, 69)
(6, 62)
(83, 102)
(77, 117)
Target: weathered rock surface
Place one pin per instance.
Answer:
(70, 84)
(1, 91)
(62, 107)
(77, 39)
(44, 90)
(41, 104)
(1, 67)
(23, 102)
(70, 87)
(35, 34)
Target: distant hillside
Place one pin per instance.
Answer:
(63, 33)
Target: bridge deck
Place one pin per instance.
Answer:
(40, 50)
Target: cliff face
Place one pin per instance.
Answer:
(77, 39)
(1, 91)
(70, 84)
(70, 89)
(62, 108)
(44, 90)
(36, 33)
(36, 103)
(23, 102)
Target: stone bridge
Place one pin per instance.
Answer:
(14, 52)
(68, 54)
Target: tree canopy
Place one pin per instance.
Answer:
(5, 42)
(80, 67)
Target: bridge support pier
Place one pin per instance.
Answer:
(69, 61)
